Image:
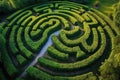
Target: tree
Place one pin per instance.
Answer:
(116, 15)
(110, 70)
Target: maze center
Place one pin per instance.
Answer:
(81, 39)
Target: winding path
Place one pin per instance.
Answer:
(41, 53)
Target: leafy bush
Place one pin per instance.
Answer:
(117, 14)
(57, 54)
(10, 5)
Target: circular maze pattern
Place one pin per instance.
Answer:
(84, 41)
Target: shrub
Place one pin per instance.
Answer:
(21, 60)
(116, 15)
(105, 18)
(12, 43)
(62, 47)
(37, 74)
(57, 54)
(77, 41)
(98, 18)
(9, 66)
(23, 49)
(93, 46)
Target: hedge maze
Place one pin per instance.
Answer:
(85, 40)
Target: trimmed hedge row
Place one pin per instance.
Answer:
(105, 18)
(70, 18)
(24, 51)
(16, 18)
(98, 18)
(42, 7)
(56, 66)
(33, 33)
(11, 17)
(93, 46)
(6, 60)
(62, 19)
(5, 31)
(77, 16)
(51, 22)
(38, 24)
(28, 20)
(3, 24)
(35, 46)
(36, 74)
(77, 41)
(86, 17)
(36, 34)
(76, 65)
(111, 35)
(93, 20)
(21, 60)
(8, 64)
(23, 17)
(57, 54)
(61, 47)
(12, 43)
(80, 55)
(71, 33)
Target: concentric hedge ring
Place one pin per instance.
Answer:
(85, 40)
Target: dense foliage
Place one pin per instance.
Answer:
(75, 52)
(110, 70)
(117, 14)
(10, 5)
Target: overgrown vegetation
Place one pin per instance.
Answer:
(116, 14)
(110, 70)
(10, 5)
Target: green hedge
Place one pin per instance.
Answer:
(76, 65)
(105, 18)
(92, 20)
(28, 20)
(71, 33)
(12, 43)
(40, 8)
(21, 60)
(37, 45)
(57, 54)
(9, 66)
(17, 17)
(36, 34)
(80, 55)
(3, 25)
(63, 20)
(36, 74)
(86, 17)
(98, 18)
(42, 20)
(23, 17)
(93, 46)
(24, 51)
(77, 41)
(62, 47)
(70, 18)
(77, 16)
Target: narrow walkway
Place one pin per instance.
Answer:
(41, 53)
